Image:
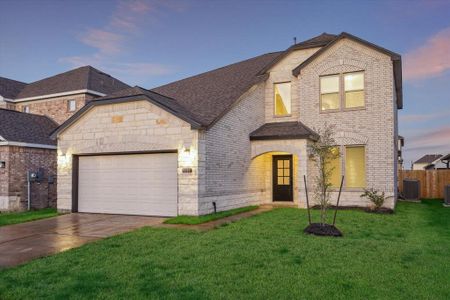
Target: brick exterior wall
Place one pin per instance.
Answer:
(231, 178)
(132, 126)
(55, 108)
(13, 178)
(374, 126)
(7, 105)
(231, 170)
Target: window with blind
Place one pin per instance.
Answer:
(355, 166)
(335, 167)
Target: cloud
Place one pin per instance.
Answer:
(422, 117)
(434, 141)
(112, 40)
(431, 59)
(104, 41)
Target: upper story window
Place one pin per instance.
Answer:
(342, 91)
(71, 105)
(354, 90)
(26, 109)
(282, 98)
(329, 93)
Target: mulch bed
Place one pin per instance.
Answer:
(381, 210)
(322, 230)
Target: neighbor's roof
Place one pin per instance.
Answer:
(282, 131)
(83, 78)
(428, 158)
(26, 128)
(10, 88)
(209, 95)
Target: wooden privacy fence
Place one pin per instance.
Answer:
(432, 182)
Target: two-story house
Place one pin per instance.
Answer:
(237, 135)
(28, 114)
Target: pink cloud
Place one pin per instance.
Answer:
(431, 59)
(423, 117)
(106, 42)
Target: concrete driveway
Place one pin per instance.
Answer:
(23, 242)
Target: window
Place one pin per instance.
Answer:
(283, 172)
(71, 105)
(342, 91)
(354, 90)
(282, 98)
(335, 167)
(329, 92)
(26, 109)
(355, 166)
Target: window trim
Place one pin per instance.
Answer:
(341, 93)
(274, 103)
(68, 105)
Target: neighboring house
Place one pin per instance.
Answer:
(237, 135)
(60, 96)
(442, 162)
(25, 146)
(9, 89)
(425, 161)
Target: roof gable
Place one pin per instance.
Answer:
(133, 94)
(396, 59)
(26, 128)
(83, 78)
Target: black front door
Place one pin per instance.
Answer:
(282, 178)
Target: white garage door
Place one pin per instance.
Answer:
(135, 184)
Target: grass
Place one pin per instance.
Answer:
(398, 256)
(26, 216)
(193, 220)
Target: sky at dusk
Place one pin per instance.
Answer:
(149, 43)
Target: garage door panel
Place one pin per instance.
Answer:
(143, 184)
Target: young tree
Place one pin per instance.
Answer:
(322, 153)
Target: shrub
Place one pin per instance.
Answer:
(376, 199)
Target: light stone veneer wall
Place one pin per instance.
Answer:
(140, 127)
(374, 126)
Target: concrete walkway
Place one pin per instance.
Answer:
(23, 242)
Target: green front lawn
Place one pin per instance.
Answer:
(26, 216)
(399, 256)
(193, 220)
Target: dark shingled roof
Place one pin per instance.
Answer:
(317, 41)
(428, 158)
(26, 128)
(81, 78)
(209, 95)
(205, 98)
(282, 131)
(10, 88)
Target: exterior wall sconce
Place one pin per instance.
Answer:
(2, 164)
